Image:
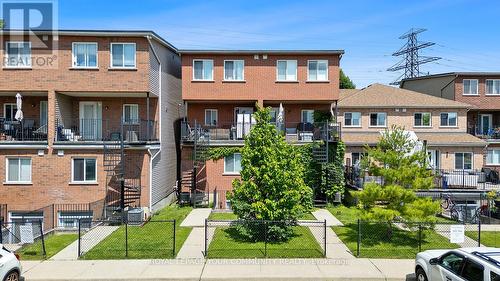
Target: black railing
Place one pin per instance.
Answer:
(234, 131)
(78, 130)
(26, 130)
(492, 132)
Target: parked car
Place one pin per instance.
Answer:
(10, 267)
(471, 264)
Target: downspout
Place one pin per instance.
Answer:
(159, 121)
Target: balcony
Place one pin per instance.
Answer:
(100, 130)
(25, 131)
(234, 132)
(492, 133)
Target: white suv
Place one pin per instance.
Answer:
(471, 264)
(10, 267)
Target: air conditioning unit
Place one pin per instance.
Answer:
(135, 216)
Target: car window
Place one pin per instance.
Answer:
(452, 262)
(494, 276)
(473, 271)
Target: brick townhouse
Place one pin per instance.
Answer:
(480, 89)
(438, 122)
(66, 159)
(221, 88)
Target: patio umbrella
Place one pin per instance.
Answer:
(280, 117)
(19, 103)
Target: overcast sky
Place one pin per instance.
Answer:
(466, 33)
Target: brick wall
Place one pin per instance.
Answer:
(481, 101)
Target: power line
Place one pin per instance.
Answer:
(412, 59)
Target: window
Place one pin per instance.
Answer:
(470, 87)
(452, 262)
(287, 70)
(9, 111)
(232, 163)
(352, 119)
(422, 119)
(472, 271)
(493, 157)
(449, 119)
(494, 276)
(317, 70)
(18, 54)
(307, 116)
(203, 69)
(493, 86)
(463, 160)
(211, 117)
(356, 157)
(233, 70)
(378, 119)
(70, 219)
(84, 170)
(131, 113)
(84, 54)
(123, 55)
(18, 170)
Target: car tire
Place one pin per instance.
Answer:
(420, 275)
(12, 276)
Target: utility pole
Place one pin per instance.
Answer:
(412, 59)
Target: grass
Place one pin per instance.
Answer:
(227, 243)
(488, 238)
(152, 240)
(376, 241)
(53, 244)
(232, 216)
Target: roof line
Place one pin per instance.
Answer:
(478, 73)
(259, 51)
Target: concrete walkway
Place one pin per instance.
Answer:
(251, 269)
(444, 230)
(196, 217)
(89, 240)
(335, 248)
(194, 245)
(323, 214)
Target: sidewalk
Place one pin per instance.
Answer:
(237, 269)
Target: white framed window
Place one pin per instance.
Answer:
(470, 87)
(463, 160)
(123, 55)
(85, 54)
(234, 70)
(70, 219)
(493, 157)
(286, 70)
(9, 111)
(378, 119)
(307, 116)
(352, 119)
(232, 164)
(84, 170)
(317, 70)
(493, 86)
(18, 54)
(422, 119)
(203, 70)
(211, 117)
(448, 119)
(18, 170)
(131, 113)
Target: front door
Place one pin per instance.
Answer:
(433, 158)
(90, 120)
(244, 120)
(485, 125)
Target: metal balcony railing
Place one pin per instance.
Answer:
(27, 130)
(486, 133)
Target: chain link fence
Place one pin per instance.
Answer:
(126, 240)
(25, 237)
(404, 240)
(264, 239)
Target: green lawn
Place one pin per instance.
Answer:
(232, 216)
(53, 244)
(376, 242)
(488, 238)
(227, 243)
(152, 240)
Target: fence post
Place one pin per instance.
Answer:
(324, 237)
(206, 238)
(1, 229)
(173, 251)
(479, 233)
(126, 238)
(265, 239)
(43, 240)
(419, 238)
(359, 238)
(79, 237)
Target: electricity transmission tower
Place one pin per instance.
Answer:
(412, 60)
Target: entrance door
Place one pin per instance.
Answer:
(90, 120)
(244, 121)
(433, 158)
(485, 125)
